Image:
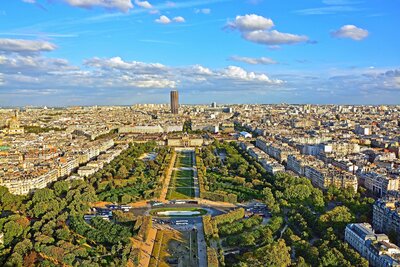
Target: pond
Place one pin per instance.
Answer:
(178, 212)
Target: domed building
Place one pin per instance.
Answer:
(13, 126)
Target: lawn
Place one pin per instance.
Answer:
(180, 193)
(184, 160)
(184, 182)
(177, 174)
(182, 173)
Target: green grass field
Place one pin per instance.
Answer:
(180, 193)
(184, 160)
(182, 174)
(182, 180)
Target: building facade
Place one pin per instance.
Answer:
(380, 184)
(386, 216)
(174, 102)
(376, 248)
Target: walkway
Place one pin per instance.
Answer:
(202, 246)
(195, 178)
(167, 180)
(146, 248)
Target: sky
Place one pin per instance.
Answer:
(124, 52)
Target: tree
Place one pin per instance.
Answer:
(122, 172)
(11, 230)
(30, 259)
(9, 201)
(333, 257)
(269, 198)
(248, 239)
(301, 262)
(63, 234)
(274, 255)
(224, 171)
(61, 187)
(23, 247)
(43, 195)
(337, 218)
(14, 260)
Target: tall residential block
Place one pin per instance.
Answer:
(174, 102)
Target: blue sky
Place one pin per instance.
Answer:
(111, 52)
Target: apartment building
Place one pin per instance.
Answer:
(296, 164)
(386, 216)
(21, 184)
(280, 152)
(321, 176)
(376, 248)
(380, 184)
(329, 176)
(269, 164)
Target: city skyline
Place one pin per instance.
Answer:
(123, 52)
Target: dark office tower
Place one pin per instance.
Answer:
(174, 102)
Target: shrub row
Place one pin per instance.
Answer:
(212, 257)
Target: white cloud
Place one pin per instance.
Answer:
(36, 73)
(352, 32)
(163, 20)
(391, 78)
(179, 19)
(117, 63)
(161, 72)
(144, 4)
(257, 29)
(29, 1)
(198, 69)
(238, 73)
(254, 61)
(205, 11)
(122, 5)
(393, 73)
(251, 22)
(21, 46)
(32, 64)
(273, 37)
(148, 82)
(107, 77)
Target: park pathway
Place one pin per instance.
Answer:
(167, 180)
(195, 177)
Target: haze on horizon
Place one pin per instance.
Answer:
(122, 52)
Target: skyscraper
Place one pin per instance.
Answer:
(174, 102)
